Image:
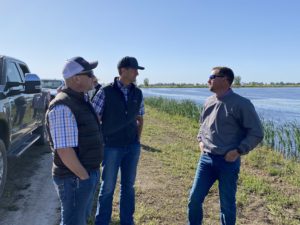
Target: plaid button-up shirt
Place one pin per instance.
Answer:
(63, 127)
(99, 99)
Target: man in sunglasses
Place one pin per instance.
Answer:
(76, 141)
(230, 127)
(120, 108)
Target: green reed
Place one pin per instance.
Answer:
(185, 108)
(284, 138)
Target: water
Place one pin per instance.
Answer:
(277, 104)
(279, 107)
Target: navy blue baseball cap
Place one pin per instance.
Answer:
(129, 62)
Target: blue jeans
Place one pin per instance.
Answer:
(211, 168)
(125, 158)
(76, 197)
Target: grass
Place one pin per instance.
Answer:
(264, 196)
(186, 108)
(268, 189)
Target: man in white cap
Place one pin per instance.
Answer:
(76, 141)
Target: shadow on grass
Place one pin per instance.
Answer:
(150, 149)
(115, 222)
(112, 222)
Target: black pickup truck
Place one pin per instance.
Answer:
(22, 111)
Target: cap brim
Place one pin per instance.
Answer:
(93, 65)
(140, 68)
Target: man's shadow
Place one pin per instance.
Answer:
(150, 149)
(113, 222)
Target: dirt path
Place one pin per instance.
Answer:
(29, 195)
(162, 197)
(158, 191)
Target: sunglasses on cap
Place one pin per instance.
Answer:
(211, 77)
(90, 74)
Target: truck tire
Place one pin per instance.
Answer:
(3, 166)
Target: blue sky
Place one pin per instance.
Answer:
(176, 40)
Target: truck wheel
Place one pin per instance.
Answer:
(43, 136)
(3, 166)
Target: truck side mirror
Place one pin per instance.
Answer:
(32, 83)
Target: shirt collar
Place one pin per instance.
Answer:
(228, 92)
(122, 86)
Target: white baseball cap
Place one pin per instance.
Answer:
(78, 65)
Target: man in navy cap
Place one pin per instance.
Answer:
(120, 108)
(76, 141)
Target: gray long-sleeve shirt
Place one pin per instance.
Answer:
(228, 123)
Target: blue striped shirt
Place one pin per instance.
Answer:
(99, 100)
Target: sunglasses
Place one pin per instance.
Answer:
(211, 77)
(90, 74)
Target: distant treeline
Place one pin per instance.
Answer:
(200, 85)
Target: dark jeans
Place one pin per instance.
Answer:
(211, 168)
(127, 160)
(76, 197)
